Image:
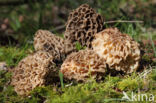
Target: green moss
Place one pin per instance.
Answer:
(130, 83)
(153, 75)
(107, 91)
(12, 55)
(79, 46)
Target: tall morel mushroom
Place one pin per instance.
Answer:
(119, 50)
(47, 41)
(34, 70)
(82, 65)
(81, 26)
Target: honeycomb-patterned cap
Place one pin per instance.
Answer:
(82, 65)
(47, 41)
(81, 26)
(119, 50)
(35, 70)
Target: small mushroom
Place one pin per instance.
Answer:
(47, 41)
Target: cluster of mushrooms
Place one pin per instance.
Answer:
(106, 49)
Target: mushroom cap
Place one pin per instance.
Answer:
(82, 65)
(81, 26)
(34, 70)
(119, 50)
(47, 41)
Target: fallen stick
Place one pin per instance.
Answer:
(123, 21)
(107, 22)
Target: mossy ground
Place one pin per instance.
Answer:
(106, 91)
(109, 90)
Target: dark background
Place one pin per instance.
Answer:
(20, 19)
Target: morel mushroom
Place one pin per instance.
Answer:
(34, 70)
(81, 26)
(82, 65)
(119, 50)
(45, 40)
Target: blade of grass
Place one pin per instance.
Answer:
(153, 46)
(61, 79)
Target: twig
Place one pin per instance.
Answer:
(107, 22)
(144, 74)
(123, 21)
(19, 2)
(58, 28)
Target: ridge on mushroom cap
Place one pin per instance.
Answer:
(47, 41)
(82, 65)
(33, 71)
(119, 50)
(81, 26)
